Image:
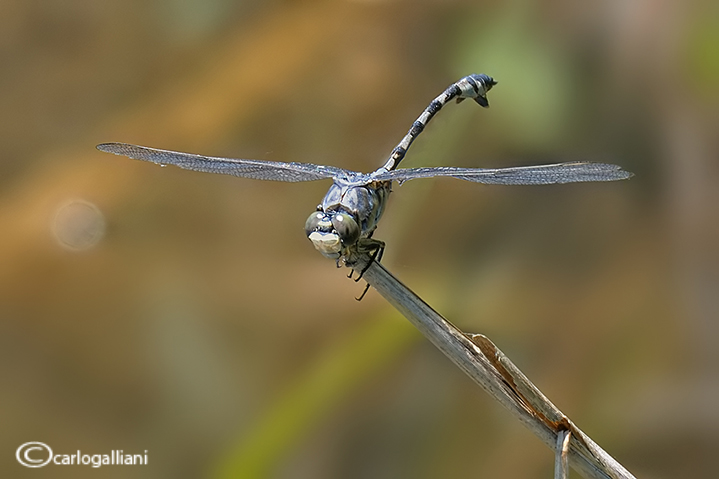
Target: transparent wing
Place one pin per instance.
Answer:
(256, 169)
(523, 175)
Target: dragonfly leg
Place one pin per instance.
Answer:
(366, 288)
(377, 249)
(376, 256)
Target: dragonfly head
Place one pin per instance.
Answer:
(332, 231)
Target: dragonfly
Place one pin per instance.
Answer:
(342, 226)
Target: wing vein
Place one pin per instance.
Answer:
(255, 169)
(572, 172)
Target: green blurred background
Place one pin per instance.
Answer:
(186, 314)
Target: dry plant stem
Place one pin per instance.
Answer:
(561, 455)
(495, 373)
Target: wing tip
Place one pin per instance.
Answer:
(111, 147)
(611, 171)
(619, 173)
(625, 175)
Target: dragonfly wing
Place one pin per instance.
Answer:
(524, 175)
(255, 169)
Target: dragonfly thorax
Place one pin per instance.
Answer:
(364, 203)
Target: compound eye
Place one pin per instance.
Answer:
(314, 222)
(346, 227)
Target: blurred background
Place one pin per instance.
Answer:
(186, 314)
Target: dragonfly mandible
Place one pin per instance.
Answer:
(342, 226)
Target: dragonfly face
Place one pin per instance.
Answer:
(331, 233)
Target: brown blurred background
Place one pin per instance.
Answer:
(186, 314)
